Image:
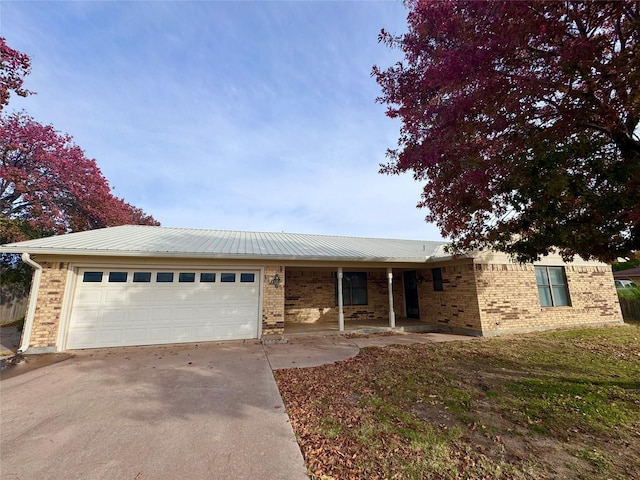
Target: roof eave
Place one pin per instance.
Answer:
(195, 255)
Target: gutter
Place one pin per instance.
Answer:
(33, 299)
(224, 256)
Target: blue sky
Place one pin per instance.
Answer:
(226, 115)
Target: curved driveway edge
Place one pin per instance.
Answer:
(311, 351)
(180, 411)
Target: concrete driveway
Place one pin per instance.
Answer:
(207, 411)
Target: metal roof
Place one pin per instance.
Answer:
(148, 241)
(629, 271)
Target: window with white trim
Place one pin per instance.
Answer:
(552, 287)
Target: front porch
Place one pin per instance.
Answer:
(366, 299)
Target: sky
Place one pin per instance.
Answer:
(230, 115)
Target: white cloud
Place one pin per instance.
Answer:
(238, 115)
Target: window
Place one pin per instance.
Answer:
(187, 277)
(552, 286)
(142, 277)
(164, 277)
(247, 277)
(92, 277)
(436, 274)
(227, 277)
(117, 277)
(354, 288)
(209, 277)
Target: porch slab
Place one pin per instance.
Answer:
(359, 327)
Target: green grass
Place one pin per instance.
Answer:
(549, 405)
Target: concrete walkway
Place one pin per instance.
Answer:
(164, 412)
(310, 351)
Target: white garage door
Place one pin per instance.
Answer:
(145, 307)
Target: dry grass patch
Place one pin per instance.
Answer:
(562, 404)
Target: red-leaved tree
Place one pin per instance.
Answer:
(48, 185)
(521, 118)
(14, 66)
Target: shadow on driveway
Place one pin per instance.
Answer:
(196, 411)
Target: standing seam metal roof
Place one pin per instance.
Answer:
(165, 241)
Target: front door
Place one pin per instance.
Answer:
(411, 294)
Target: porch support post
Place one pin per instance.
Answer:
(392, 314)
(340, 311)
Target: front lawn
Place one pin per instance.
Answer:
(563, 404)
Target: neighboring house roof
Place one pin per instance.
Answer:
(147, 241)
(633, 272)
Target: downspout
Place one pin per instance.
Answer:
(33, 300)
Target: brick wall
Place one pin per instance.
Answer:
(310, 297)
(46, 322)
(273, 301)
(509, 302)
(455, 308)
(398, 295)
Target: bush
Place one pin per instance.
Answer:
(630, 303)
(632, 293)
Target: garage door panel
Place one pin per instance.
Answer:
(86, 317)
(183, 313)
(234, 312)
(111, 337)
(206, 312)
(182, 334)
(158, 314)
(89, 297)
(117, 317)
(81, 337)
(138, 313)
(142, 297)
(159, 334)
(204, 332)
(115, 296)
(136, 336)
